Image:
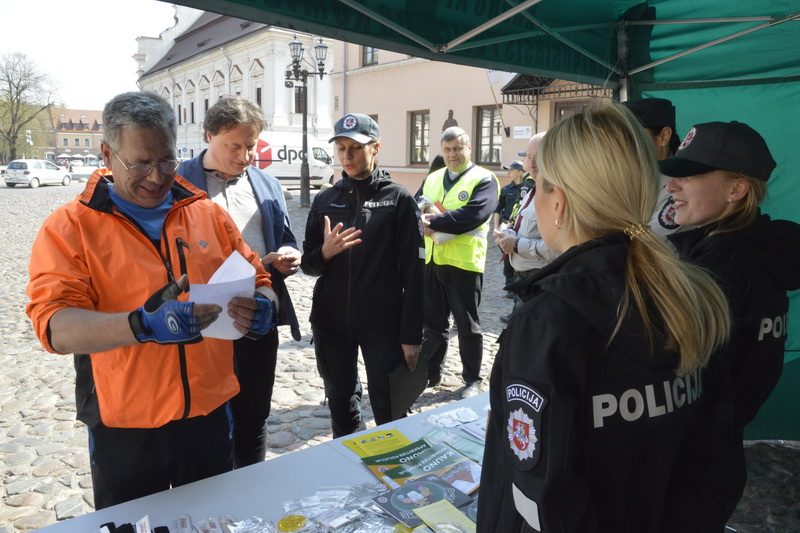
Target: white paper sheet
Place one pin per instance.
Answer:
(235, 277)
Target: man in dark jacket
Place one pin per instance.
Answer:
(363, 240)
(255, 201)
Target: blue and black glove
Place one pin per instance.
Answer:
(264, 317)
(165, 320)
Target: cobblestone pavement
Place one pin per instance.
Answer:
(43, 449)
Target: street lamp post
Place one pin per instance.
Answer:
(295, 73)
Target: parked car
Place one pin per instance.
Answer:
(35, 172)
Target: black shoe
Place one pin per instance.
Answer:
(434, 381)
(505, 318)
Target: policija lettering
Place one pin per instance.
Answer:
(773, 326)
(653, 400)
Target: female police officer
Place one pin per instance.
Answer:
(363, 240)
(719, 178)
(597, 373)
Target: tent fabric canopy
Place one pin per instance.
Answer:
(715, 59)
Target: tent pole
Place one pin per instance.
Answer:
(715, 42)
(490, 24)
(555, 35)
(405, 32)
(622, 60)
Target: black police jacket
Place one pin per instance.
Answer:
(375, 284)
(755, 267)
(583, 433)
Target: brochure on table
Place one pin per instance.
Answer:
(258, 490)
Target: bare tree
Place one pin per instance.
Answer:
(25, 93)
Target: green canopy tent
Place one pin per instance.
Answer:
(715, 59)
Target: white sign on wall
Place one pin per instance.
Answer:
(523, 132)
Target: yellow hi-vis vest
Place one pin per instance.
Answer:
(466, 251)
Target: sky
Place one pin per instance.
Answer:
(85, 46)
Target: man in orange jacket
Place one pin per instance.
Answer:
(107, 273)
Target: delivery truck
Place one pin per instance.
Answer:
(281, 154)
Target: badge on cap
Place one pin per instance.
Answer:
(350, 122)
(525, 406)
(688, 139)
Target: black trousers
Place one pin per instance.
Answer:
(131, 463)
(508, 271)
(337, 362)
(452, 290)
(254, 362)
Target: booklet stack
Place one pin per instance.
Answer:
(421, 458)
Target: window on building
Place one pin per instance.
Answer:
(369, 56)
(205, 106)
(489, 136)
(420, 129)
(65, 141)
(191, 112)
(567, 109)
(258, 96)
(184, 115)
(77, 142)
(86, 143)
(179, 115)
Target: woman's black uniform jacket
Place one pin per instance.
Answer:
(378, 283)
(583, 434)
(755, 267)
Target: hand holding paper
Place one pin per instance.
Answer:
(234, 278)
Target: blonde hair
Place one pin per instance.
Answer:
(746, 210)
(606, 166)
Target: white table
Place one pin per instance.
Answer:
(257, 490)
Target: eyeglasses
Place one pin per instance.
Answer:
(142, 170)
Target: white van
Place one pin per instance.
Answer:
(280, 154)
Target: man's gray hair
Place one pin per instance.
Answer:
(142, 109)
(454, 132)
(230, 111)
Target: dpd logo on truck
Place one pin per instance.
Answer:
(264, 157)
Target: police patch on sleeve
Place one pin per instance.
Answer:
(525, 406)
(666, 216)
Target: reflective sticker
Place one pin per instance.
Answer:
(527, 508)
(463, 195)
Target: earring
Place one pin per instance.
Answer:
(556, 223)
(730, 200)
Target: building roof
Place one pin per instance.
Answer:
(209, 31)
(80, 119)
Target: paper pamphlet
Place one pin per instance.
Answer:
(398, 467)
(377, 442)
(235, 277)
(444, 513)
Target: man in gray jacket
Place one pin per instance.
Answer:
(526, 250)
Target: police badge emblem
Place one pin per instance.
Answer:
(521, 435)
(462, 196)
(525, 406)
(666, 216)
(349, 122)
(688, 139)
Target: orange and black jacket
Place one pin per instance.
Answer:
(89, 255)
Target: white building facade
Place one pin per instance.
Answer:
(206, 56)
